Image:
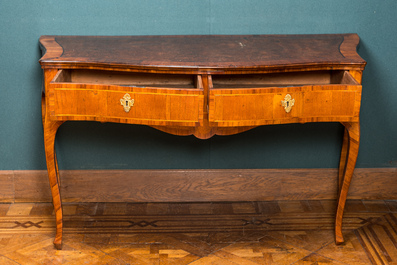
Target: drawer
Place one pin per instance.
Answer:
(150, 99)
(252, 100)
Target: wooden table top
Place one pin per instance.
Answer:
(203, 53)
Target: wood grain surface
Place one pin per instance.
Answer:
(7, 188)
(264, 232)
(209, 53)
(152, 105)
(118, 185)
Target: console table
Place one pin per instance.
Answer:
(202, 86)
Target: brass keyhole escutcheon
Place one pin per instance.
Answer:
(127, 102)
(288, 103)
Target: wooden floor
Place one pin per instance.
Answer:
(283, 232)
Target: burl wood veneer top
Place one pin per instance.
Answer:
(203, 53)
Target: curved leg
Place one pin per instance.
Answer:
(50, 130)
(56, 168)
(343, 159)
(351, 144)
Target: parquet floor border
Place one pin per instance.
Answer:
(284, 232)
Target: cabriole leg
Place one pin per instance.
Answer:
(349, 154)
(50, 130)
(343, 159)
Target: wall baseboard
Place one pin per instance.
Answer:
(196, 185)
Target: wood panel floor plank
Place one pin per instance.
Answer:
(69, 209)
(247, 207)
(4, 207)
(200, 208)
(22, 259)
(222, 208)
(20, 209)
(125, 258)
(329, 206)
(11, 243)
(267, 251)
(136, 208)
(40, 209)
(108, 260)
(379, 206)
(178, 208)
(88, 209)
(157, 208)
(312, 206)
(7, 261)
(115, 209)
(155, 252)
(200, 233)
(311, 240)
(270, 207)
(392, 205)
(237, 259)
(212, 260)
(291, 207)
(315, 259)
(355, 206)
(379, 239)
(351, 252)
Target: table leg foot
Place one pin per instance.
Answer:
(339, 238)
(58, 245)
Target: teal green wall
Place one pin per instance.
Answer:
(83, 145)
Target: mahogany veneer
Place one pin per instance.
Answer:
(203, 85)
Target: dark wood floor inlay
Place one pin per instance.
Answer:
(278, 232)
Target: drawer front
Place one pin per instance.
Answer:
(150, 106)
(157, 107)
(274, 105)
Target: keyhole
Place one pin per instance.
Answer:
(126, 103)
(287, 104)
